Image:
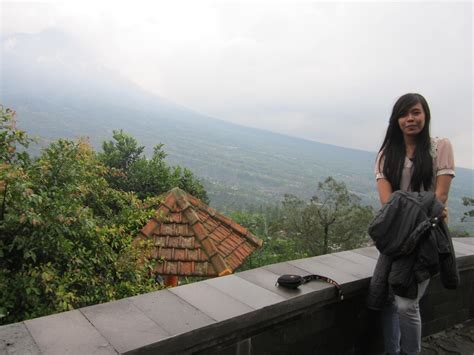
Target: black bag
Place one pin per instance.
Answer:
(290, 281)
(294, 281)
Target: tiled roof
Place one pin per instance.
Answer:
(192, 239)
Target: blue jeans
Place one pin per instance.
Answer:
(401, 324)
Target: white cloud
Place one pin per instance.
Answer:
(323, 71)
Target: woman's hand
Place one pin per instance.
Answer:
(444, 215)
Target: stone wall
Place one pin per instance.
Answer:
(245, 313)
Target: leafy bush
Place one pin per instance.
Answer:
(333, 220)
(65, 232)
(276, 248)
(131, 171)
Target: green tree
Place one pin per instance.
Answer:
(276, 247)
(121, 152)
(332, 220)
(65, 234)
(131, 171)
(468, 202)
(12, 161)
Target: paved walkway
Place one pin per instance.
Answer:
(458, 340)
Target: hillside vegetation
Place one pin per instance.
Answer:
(68, 218)
(239, 166)
(71, 96)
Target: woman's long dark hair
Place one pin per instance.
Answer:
(394, 151)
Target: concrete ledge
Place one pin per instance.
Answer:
(245, 313)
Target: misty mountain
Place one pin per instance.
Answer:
(58, 90)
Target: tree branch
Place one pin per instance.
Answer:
(4, 202)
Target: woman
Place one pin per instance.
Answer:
(410, 160)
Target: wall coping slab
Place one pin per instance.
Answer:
(193, 317)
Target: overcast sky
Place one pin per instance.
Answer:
(329, 72)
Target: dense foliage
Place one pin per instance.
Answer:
(266, 225)
(68, 218)
(66, 228)
(466, 218)
(240, 165)
(468, 202)
(131, 171)
(332, 220)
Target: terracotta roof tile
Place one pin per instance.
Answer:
(246, 248)
(191, 216)
(159, 267)
(173, 242)
(215, 239)
(180, 254)
(195, 255)
(254, 240)
(149, 227)
(199, 231)
(175, 218)
(165, 253)
(238, 228)
(193, 200)
(203, 215)
(183, 204)
(233, 261)
(221, 232)
(211, 270)
(160, 241)
(209, 210)
(186, 268)
(234, 240)
(224, 219)
(170, 202)
(166, 229)
(240, 254)
(187, 242)
(207, 244)
(184, 230)
(224, 250)
(220, 265)
(192, 239)
(202, 268)
(162, 212)
(171, 268)
(230, 243)
(211, 225)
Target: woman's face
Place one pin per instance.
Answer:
(413, 122)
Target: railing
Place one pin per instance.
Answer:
(245, 313)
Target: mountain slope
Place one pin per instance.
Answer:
(63, 93)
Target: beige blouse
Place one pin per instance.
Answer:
(443, 164)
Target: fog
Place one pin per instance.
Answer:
(328, 72)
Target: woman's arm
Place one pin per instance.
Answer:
(385, 190)
(384, 187)
(443, 183)
(444, 169)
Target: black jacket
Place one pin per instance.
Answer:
(413, 244)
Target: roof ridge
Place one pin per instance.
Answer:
(178, 207)
(221, 217)
(208, 245)
(237, 227)
(185, 200)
